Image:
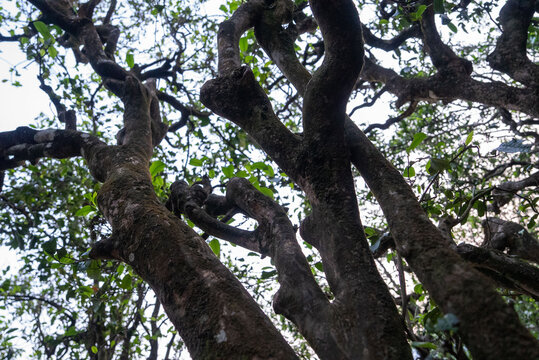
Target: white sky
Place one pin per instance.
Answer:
(20, 105)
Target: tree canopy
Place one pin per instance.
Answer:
(272, 179)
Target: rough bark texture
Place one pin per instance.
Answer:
(215, 316)
(510, 53)
(319, 163)
(450, 280)
(213, 313)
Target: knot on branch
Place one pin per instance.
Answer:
(182, 196)
(235, 95)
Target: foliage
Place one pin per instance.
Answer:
(456, 153)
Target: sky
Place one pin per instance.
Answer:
(20, 105)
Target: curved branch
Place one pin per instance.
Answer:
(68, 117)
(409, 111)
(299, 298)
(230, 32)
(391, 44)
(327, 92)
(510, 56)
(504, 192)
(448, 89)
(508, 271)
(422, 244)
(237, 95)
(189, 200)
(443, 58)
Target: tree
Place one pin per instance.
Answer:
(342, 306)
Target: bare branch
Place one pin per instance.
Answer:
(508, 271)
(328, 90)
(409, 111)
(504, 192)
(443, 58)
(510, 54)
(68, 117)
(29, 144)
(391, 44)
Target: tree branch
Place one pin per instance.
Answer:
(510, 56)
(443, 58)
(237, 96)
(391, 44)
(501, 234)
(510, 272)
(299, 298)
(29, 144)
(448, 89)
(327, 92)
(504, 192)
(423, 246)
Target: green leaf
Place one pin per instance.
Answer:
(85, 210)
(223, 8)
(62, 252)
(43, 29)
(266, 191)
(228, 171)
(431, 318)
(259, 165)
(195, 162)
(71, 332)
(157, 9)
(268, 274)
(452, 27)
(448, 322)
(437, 165)
(94, 271)
(243, 44)
(215, 246)
(49, 246)
(130, 60)
(52, 51)
(418, 138)
(126, 282)
(421, 10)
(481, 208)
(120, 269)
(157, 167)
(369, 231)
(409, 171)
(94, 349)
(319, 266)
(424, 345)
(469, 138)
(439, 6)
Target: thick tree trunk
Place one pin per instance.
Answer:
(213, 313)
